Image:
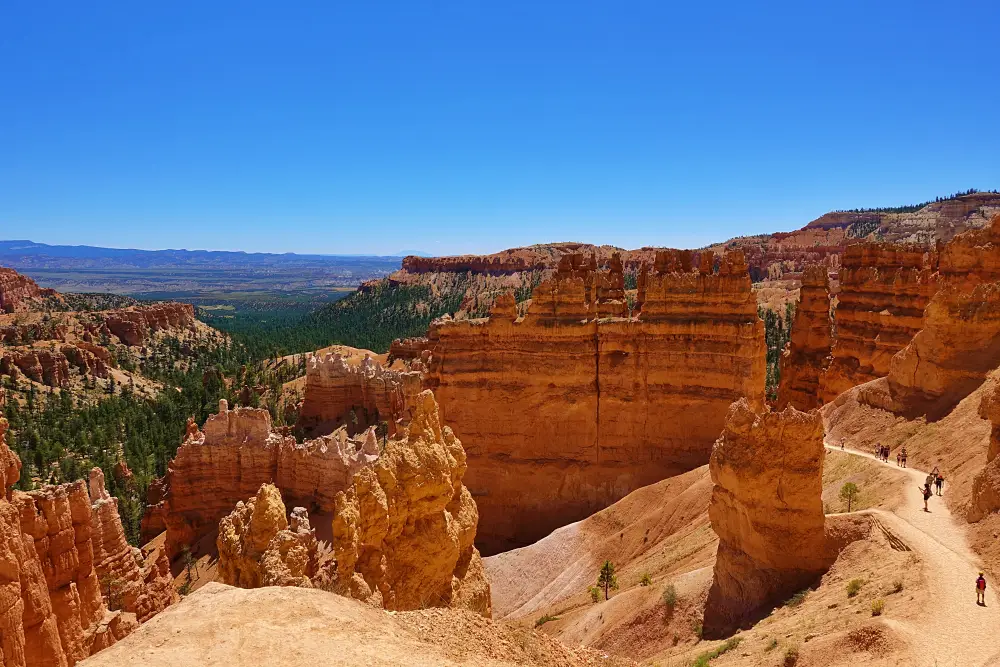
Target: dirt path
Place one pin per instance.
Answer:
(954, 631)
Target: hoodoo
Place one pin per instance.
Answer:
(767, 510)
(572, 406)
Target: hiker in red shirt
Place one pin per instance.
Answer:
(981, 590)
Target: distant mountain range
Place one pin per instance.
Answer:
(178, 273)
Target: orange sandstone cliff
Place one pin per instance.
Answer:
(358, 396)
(808, 353)
(572, 406)
(884, 290)
(960, 339)
(19, 293)
(237, 451)
(58, 550)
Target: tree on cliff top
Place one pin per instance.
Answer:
(607, 579)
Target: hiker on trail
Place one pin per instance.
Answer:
(899, 458)
(931, 479)
(902, 455)
(926, 493)
(885, 453)
(939, 482)
(842, 444)
(878, 451)
(981, 590)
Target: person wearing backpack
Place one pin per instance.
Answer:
(981, 590)
(927, 493)
(939, 482)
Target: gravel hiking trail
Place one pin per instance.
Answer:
(954, 630)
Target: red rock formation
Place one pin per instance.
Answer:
(86, 361)
(144, 589)
(767, 510)
(403, 530)
(45, 366)
(409, 349)
(335, 389)
(884, 290)
(51, 610)
(563, 411)
(808, 353)
(236, 453)
(19, 293)
(960, 340)
(134, 325)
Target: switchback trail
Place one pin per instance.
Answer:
(953, 630)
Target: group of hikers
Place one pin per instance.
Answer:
(936, 480)
(882, 454)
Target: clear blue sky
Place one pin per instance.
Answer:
(370, 127)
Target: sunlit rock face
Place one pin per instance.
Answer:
(569, 408)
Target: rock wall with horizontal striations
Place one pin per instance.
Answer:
(807, 355)
(884, 289)
(767, 510)
(338, 393)
(959, 343)
(134, 325)
(567, 409)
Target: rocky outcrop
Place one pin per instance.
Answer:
(133, 326)
(45, 366)
(128, 582)
(767, 510)
(409, 349)
(52, 543)
(959, 343)
(403, 530)
(884, 290)
(19, 293)
(986, 485)
(567, 409)
(258, 547)
(339, 393)
(807, 355)
(236, 452)
(86, 361)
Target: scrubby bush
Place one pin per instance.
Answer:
(854, 587)
(877, 607)
(791, 656)
(646, 579)
(670, 596)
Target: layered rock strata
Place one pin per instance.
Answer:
(57, 549)
(884, 290)
(569, 408)
(358, 396)
(259, 547)
(236, 452)
(807, 355)
(404, 529)
(959, 343)
(133, 326)
(767, 510)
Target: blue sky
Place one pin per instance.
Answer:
(369, 127)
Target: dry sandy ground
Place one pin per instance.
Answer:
(295, 627)
(917, 563)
